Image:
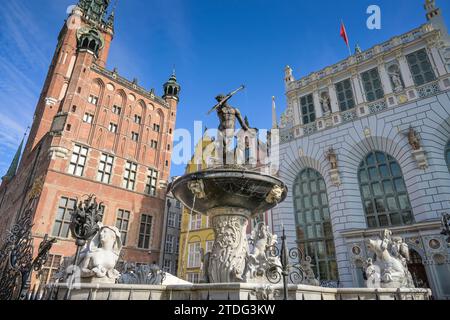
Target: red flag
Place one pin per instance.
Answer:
(344, 34)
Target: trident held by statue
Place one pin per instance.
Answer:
(226, 98)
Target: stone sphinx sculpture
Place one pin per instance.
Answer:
(99, 258)
(390, 267)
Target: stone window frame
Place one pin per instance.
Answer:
(135, 136)
(194, 256)
(123, 223)
(92, 99)
(151, 184)
(117, 110)
(61, 226)
(130, 175)
(383, 190)
(311, 214)
(197, 223)
(170, 244)
(78, 160)
(137, 119)
(88, 118)
(105, 168)
(372, 85)
(145, 232)
(345, 96)
(307, 109)
(113, 127)
(419, 73)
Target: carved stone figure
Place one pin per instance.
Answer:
(392, 255)
(100, 257)
(325, 102)
(310, 277)
(142, 275)
(414, 139)
(372, 275)
(227, 262)
(332, 158)
(275, 195)
(394, 74)
(260, 259)
(197, 188)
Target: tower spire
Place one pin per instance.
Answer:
(15, 162)
(435, 18)
(274, 114)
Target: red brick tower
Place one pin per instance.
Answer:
(94, 132)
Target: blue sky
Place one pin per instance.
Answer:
(216, 46)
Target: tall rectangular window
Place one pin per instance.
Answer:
(154, 144)
(308, 111)
(137, 119)
(420, 67)
(135, 136)
(171, 220)
(63, 217)
(372, 85)
(209, 246)
(177, 246)
(101, 212)
(117, 110)
(105, 168)
(196, 221)
(194, 255)
(112, 127)
(47, 275)
(93, 100)
(122, 222)
(168, 265)
(156, 127)
(129, 180)
(78, 160)
(88, 118)
(145, 232)
(193, 277)
(344, 93)
(152, 181)
(170, 240)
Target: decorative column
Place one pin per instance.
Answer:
(436, 57)
(333, 97)
(227, 263)
(357, 88)
(296, 108)
(404, 69)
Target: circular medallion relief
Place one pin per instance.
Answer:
(110, 87)
(356, 250)
(131, 97)
(434, 244)
(439, 259)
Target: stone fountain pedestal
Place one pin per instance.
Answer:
(230, 197)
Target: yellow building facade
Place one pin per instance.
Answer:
(197, 236)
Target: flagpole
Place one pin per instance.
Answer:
(348, 39)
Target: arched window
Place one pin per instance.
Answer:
(313, 223)
(383, 190)
(447, 154)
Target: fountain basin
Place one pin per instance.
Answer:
(228, 188)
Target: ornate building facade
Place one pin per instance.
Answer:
(365, 146)
(94, 132)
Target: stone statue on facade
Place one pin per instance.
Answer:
(396, 78)
(325, 102)
(332, 158)
(392, 255)
(99, 258)
(414, 139)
